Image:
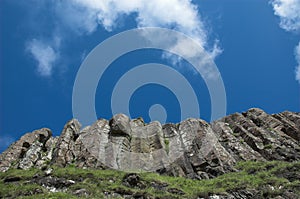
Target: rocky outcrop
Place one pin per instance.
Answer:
(192, 148)
(28, 151)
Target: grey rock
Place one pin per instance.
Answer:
(90, 145)
(53, 184)
(48, 171)
(192, 148)
(63, 153)
(81, 192)
(120, 125)
(17, 151)
(32, 156)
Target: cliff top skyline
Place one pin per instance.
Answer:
(252, 46)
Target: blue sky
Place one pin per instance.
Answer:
(254, 44)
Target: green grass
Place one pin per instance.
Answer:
(251, 175)
(57, 195)
(268, 146)
(167, 143)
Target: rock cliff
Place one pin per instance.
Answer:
(192, 148)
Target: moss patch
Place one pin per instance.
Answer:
(91, 183)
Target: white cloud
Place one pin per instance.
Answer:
(297, 54)
(289, 13)
(181, 15)
(44, 54)
(151, 13)
(83, 17)
(79, 19)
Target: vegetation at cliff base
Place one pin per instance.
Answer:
(265, 179)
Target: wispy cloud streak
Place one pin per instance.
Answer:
(83, 17)
(289, 13)
(45, 56)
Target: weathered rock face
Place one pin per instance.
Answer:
(28, 151)
(192, 148)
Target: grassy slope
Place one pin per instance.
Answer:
(252, 175)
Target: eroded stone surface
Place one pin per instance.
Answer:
(192, 148)
(16, 153)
